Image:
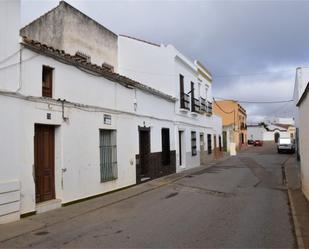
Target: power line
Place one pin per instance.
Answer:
(253, 74)
(226, 112)
(19, 62)
(10, 56)
(214, 75)
(257, 102)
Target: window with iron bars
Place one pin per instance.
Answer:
(108, 155)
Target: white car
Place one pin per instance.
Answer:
(286, 145)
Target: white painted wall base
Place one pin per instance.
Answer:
(47, 206)
(9, 201)
(233, 149)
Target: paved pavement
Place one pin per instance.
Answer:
(240, 202)
(299, 204)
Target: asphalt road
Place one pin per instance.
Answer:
(238, 203)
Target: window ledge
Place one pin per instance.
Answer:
(183, 110)
(194, 114)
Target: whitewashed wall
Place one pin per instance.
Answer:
(304, 145)
(9, 56)
(255, 133)
(159, 67)
(150, 64)
(80, 134)
(301, 80)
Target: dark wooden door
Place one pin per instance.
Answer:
(44, 162)
(224, 141)
(209, 147)
(144, 150)
(180, 147)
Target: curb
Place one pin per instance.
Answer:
(156, 184)
(297, 229)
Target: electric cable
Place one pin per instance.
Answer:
(10, 56)
(14, 64)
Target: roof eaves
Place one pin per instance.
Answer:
(63, 57)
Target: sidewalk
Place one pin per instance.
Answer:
(43, 220)
(298, 202)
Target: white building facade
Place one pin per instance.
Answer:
(166, 69)
(71, 129)
(269, 132)
(301, 89)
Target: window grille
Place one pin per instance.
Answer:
(108, 155)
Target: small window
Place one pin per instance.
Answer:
(108, 155)
(47, 82)
(165, 146)
(193, 143)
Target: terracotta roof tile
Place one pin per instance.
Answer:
(105, 72)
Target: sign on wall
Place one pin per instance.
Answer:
(107, 119)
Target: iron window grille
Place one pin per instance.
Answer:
(209, 108)
(108, 155)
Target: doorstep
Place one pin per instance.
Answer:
(45, 206)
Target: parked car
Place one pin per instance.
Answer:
(250, 141)
(286, 145)
(258, 143)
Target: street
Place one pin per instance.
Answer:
(240, 202)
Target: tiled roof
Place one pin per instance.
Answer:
(285, 126)
(78, 62)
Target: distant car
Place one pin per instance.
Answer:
(250, 141)
(286, 145)
(258, 143)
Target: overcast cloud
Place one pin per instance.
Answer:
(252, 48)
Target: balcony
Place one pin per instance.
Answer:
(184, 101)
(195, 105)
(243, 126)
(209, 108)
(203, 108)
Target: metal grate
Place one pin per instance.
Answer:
(108, 155)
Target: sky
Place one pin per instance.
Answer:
(252, 48)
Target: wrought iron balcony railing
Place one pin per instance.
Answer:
(209, 108)
(195, 105)
(184, 101)
(203, 107)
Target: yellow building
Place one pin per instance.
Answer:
(234, 121)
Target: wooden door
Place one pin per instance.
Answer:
(224, 141)
(209, 147)
(180, 146)
(201, 142)
(44, 162)
(144, 150)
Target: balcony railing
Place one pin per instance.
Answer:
(195, 105)
(203, 105)
(209, 108)
(243, 126)
(184, 101)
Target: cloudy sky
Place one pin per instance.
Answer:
(251, 47)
